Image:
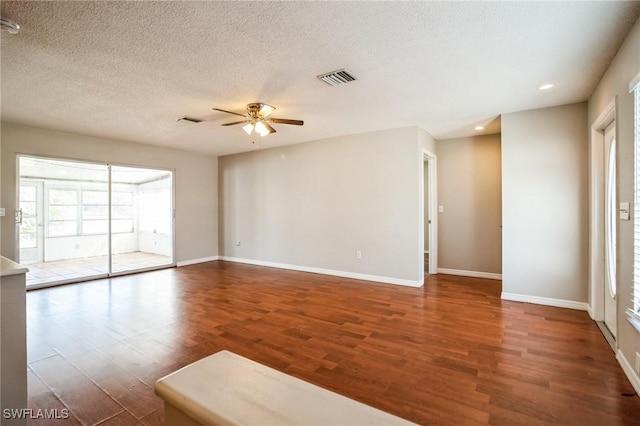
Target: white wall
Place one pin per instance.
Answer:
(196, 177)
(469, 189)
(615, 83)
(545, 203)
(426, 141)
(80, 246)
(316, 204)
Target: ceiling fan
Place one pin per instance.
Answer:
(258, 119)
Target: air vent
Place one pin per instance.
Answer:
(336, 78)
(190, 119)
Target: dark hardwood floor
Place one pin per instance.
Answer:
(451, 353)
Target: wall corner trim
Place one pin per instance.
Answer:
(628, 370)
(473, 274)
(548, 301)
(313, 270)
(199, 260)
(591, 312)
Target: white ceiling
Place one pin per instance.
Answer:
(128, 70)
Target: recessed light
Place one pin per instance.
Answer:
(479, 128)
(546, 86)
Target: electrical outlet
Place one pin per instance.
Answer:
(358, 254)
(238, 244)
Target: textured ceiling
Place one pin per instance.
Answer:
(127, 70)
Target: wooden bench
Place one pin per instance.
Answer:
(227, 389)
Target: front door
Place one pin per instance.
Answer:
(610, 234)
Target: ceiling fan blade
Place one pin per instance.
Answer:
(286, 121)
(268, 126)
(235, 122)
(229, 112)
(190, 119)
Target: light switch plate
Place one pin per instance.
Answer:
(2, 212)
(440, 209)
(625, 211)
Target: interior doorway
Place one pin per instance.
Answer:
(428, 214)
(427, 218)
(80, 220)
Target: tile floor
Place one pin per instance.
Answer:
(70, 269)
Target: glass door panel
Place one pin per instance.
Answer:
(30, 217)
(141, 218)
(610, 217)
(56, 239)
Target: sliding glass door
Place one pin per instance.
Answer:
(80, 220)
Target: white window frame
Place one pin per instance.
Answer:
(131, 205)
(48, 206)
(79, 189)
(633, 313)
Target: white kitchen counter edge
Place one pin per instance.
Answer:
(9, 267)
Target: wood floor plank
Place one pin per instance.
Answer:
(42, 398)
(128, 391)
(37, 348)
(123, 419)
(85, 400)
(137, 397)
(154, 419)
(451, 352)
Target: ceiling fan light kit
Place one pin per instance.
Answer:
(263, 109)
(248, 128)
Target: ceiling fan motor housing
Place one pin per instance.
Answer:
(259, 110)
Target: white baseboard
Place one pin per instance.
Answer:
(591, 313)
(629, 371)
(547, 301)
(473, 274)
(343, 274)
(200, 260)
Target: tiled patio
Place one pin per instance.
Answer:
(64, 270)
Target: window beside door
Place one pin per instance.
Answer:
(634, 312)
